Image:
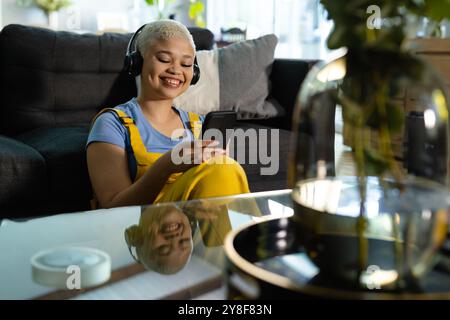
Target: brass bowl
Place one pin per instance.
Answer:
(268, 260)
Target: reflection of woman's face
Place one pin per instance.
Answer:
(170, 240)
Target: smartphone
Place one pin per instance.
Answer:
(221, 121)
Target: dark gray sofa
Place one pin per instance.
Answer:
(53, 83)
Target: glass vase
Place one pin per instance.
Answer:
(369, 168)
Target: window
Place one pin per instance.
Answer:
(300, 25)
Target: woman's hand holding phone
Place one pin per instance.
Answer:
(191, 153)
(217, 124)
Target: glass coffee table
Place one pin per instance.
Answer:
(165, 251)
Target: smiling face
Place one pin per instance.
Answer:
(173, 235)
(168, 68)
(167, 244)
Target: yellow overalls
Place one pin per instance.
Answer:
(206, 180)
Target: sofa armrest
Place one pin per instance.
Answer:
(23, 175)
(287, 76)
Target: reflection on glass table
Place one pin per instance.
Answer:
(176, 248)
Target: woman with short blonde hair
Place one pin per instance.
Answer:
(131, 148)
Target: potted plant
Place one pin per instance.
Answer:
(50, 8)
(395, 111)
(166, 7)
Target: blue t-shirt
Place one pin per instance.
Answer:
(108, 128)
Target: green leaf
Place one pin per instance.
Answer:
(52, 5)
(337, 37)
(395, 117)
(437, 9)
(195, 9)
(375, 164)
(373, 120)
(351, 111)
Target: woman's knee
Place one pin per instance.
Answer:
(223, 168)
(223, 172)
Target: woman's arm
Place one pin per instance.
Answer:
(110, 179)
(108, 171)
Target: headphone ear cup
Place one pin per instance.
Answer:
(133, 64)
(127, 64)
(137, 62)
(196, 74)
(133, 236)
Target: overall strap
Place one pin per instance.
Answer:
(143, 158)
(195, 124)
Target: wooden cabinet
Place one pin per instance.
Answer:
(437, 53)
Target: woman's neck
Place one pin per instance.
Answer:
(156, 110)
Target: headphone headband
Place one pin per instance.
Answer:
(133, 39)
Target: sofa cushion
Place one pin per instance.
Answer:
(59, 78)
(235, 77)
(23, 181)
(244, 69)
(64, 152)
